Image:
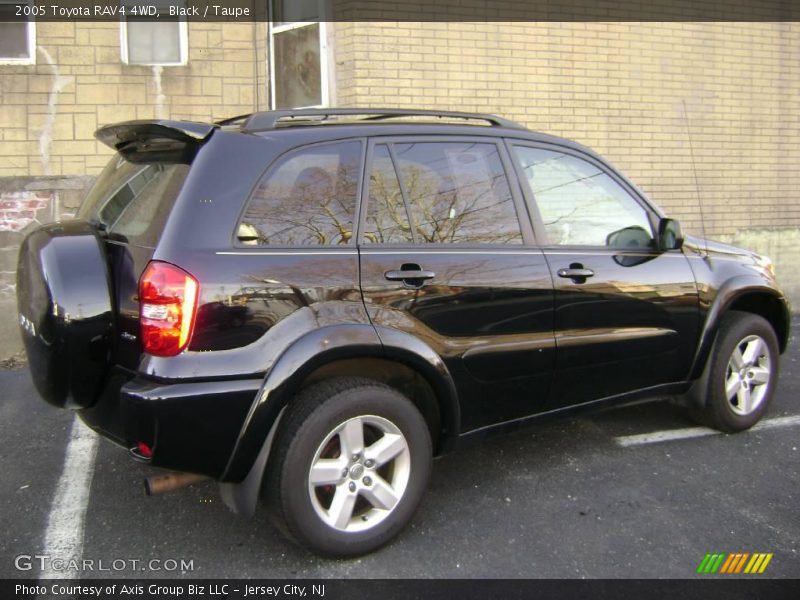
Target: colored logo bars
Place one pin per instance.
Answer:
(739, 562)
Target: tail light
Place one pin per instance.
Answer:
(167, 308)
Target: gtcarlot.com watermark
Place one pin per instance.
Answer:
(54, 564)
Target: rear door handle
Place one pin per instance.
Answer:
(575, 273)
(403, 275)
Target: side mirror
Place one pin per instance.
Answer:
(670, 235)
(630, 237)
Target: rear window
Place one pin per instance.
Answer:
(132, 201)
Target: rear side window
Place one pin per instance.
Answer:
(307, 198)
(387, 219)
(440, 192)
(132, 201)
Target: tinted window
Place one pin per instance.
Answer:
(580, 204)
(387, 220)
(134, 200)
(307, 198)
(455, 193)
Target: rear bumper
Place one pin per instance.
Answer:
(190, 426)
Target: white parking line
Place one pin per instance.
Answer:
(694, 432)
(65, 525)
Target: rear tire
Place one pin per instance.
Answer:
(743, 373)
(351, 462)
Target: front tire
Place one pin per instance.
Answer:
(743, 373)
(351, 463)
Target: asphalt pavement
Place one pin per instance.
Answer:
(563, 499)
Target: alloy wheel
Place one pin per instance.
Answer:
(748, 375)
(359, 473)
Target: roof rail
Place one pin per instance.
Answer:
(267, 120)
(233, 120)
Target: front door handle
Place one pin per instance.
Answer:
(576, 272)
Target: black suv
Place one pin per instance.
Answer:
(309, 305)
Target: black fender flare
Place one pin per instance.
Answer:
(324, 345)
(728, 293)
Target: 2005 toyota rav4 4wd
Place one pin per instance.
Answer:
(310, 305)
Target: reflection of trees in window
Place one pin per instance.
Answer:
(579, 203)
(308, 198)
(456, 193)
(387, 219)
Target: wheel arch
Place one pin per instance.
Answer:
(748, 295)
(743, 294)
(353, 349)
(771, 308)
(404, 374)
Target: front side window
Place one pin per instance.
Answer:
(298, 54)
(153, 42)
(440, 193)
(580, 204)
(17, 39)
(308, 198)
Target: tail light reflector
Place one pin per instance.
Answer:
(145, 450)
(167, 308)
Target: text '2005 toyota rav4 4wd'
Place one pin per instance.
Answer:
(310, 305)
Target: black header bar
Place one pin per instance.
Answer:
(238, 11)
(733, 588)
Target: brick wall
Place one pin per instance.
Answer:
(261, 49)
(20, 209)
(49, 111)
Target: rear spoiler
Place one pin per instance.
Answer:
(155, 140)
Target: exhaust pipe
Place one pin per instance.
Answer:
(161, 484)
